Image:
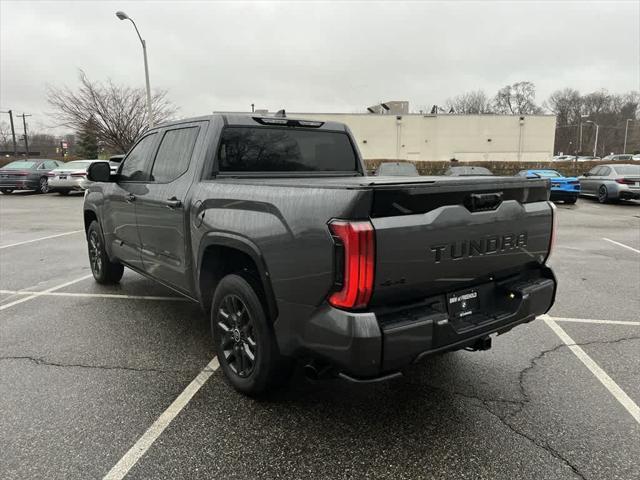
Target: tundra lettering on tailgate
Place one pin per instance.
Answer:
(483, 246)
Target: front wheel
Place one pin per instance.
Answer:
(603, 194)
(104, 270)
(43, 185)
(571, 201)
(7, 191)
(245, 343)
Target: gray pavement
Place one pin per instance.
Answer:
(83, 377)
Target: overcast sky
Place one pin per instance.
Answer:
(316, 56)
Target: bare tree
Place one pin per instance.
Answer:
(516, 99)
(469, 102)
(118, 111)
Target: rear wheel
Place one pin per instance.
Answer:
(104, 270)
(603, 194)
(245, 343)
(571, 201)
(7, 191)
(43, 185)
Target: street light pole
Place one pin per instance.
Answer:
(124, 16)
(595, 145)
(626, 131)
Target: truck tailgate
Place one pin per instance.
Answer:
(442, 239)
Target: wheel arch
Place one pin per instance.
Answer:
(221, 254)
(89, 216)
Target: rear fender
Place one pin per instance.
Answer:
(244, 245)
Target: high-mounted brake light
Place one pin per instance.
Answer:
(554, 229)
(355, 244)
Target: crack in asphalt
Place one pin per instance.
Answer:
(483, 402)
(43, 361)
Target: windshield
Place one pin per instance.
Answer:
(259, 149)
(20, 165)
(398, 169)
(627, 169)
(546, 173)
(76, 164)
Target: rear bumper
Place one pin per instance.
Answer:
(374, 344)
(69, 184)
(22, 184)
(564, 194)
(630, 195)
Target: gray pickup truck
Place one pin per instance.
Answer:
(297, 255)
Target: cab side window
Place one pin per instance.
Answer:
(174, 154)
(134, 166)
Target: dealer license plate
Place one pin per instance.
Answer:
(462, 304)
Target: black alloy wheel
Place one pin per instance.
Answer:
(95, 253)
(7, 191)
(43, 186)
(603, 195)
(104, 270)
(236, 335)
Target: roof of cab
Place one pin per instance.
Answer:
(238, 119)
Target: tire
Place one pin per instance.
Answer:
(244, 340)
(104, 270)
(64, 193)
(571, 201)
(43, 185)
(603, 194)
(7, 191)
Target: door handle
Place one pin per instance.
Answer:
(173, 203)
(129, 198)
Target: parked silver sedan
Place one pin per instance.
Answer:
(71, 176)
(611, 182)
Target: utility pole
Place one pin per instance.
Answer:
(13, 134)
(24, 124)
(253, 108)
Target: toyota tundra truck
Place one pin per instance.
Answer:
(298, 256)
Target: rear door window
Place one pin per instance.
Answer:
(265, 149)
(174, 154)
(134, 167)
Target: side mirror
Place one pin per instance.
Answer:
(99, 172)
(586, 174)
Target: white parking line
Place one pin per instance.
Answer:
(599, 373)
(44, 292)
(143, 444)
(39, 239)
(621, 245)
(589, 320)
(95, 295)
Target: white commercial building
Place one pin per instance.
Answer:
(442, 137)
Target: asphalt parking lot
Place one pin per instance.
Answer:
(121, 380)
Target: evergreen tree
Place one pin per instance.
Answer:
(87, 145)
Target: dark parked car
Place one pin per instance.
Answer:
(397, 169)
(612, 182)
(468, 171)
(27, 175)
(272, 225)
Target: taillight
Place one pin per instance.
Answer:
(574, 182)
(624, 181)
(355, 257)
(79, 174)
(554, 229)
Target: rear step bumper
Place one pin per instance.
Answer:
(365, 346)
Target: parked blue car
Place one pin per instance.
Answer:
(564, 189)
